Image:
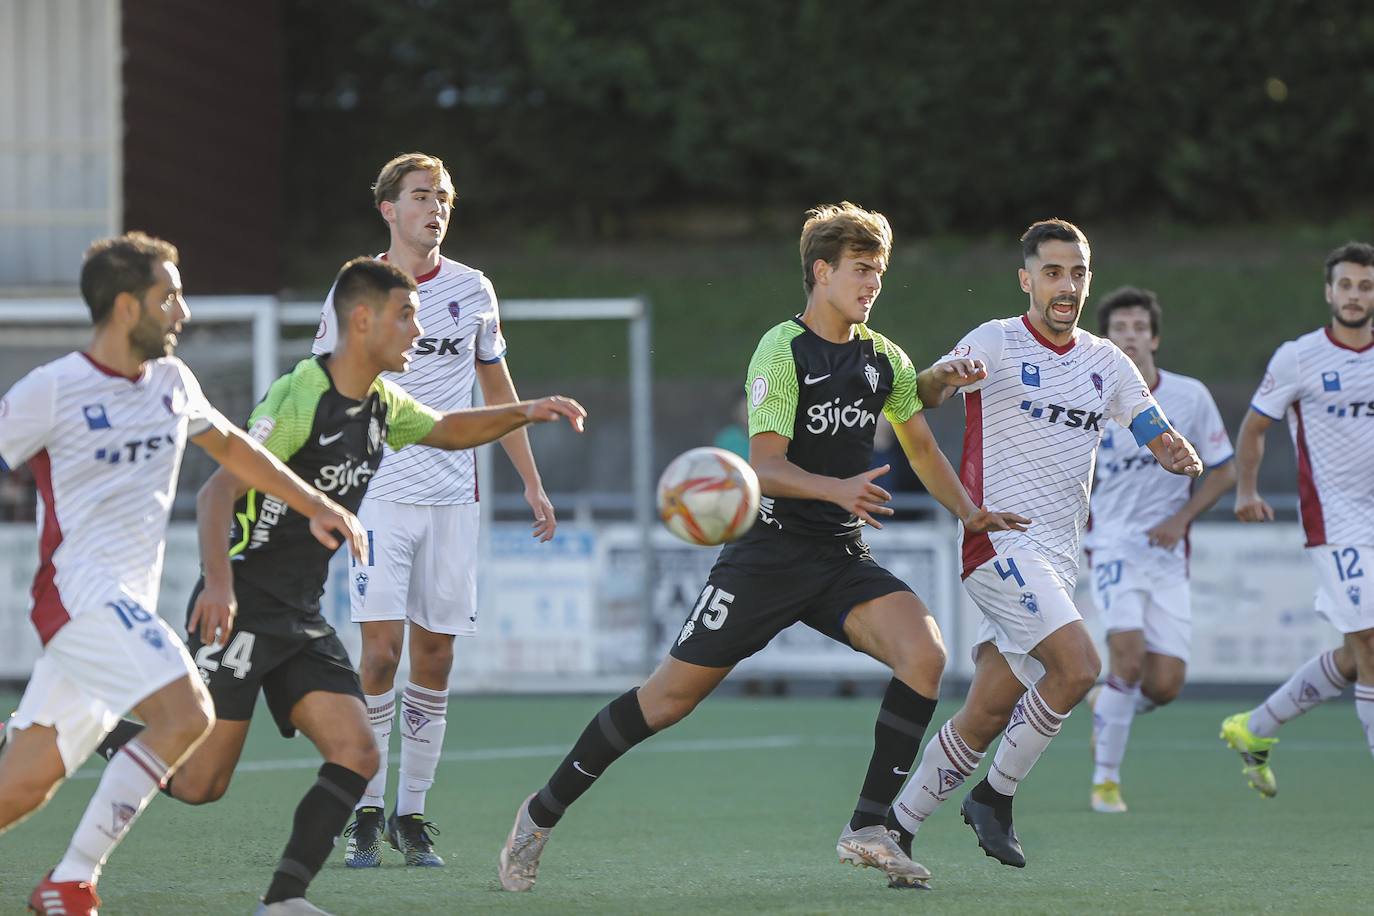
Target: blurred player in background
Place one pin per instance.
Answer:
(816, 385)
(421, 510)
(104, 431)
(1037, 390)
(328, 419)
(1137, 541)
(1323, 382)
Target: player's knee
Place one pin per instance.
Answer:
(1161, 694)
(668, 709)
(361, 756)
(23, 798)
(1128, 670)
(380, 661)
(192, 791)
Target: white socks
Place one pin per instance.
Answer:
(131, 779)
(1033, 724)
(944, 766)
(1364, 708)
(1117, 704)
(424, 718)
(381, 710)
(1317, 681)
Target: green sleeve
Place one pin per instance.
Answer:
(408, 421)
(903, 403)
(772, 384)
(282, 420)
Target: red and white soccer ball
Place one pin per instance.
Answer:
(708, 496)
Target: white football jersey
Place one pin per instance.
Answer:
(1326, 390)
(461, 324)
(1133, 493)
(105, 451)
(1031, 430)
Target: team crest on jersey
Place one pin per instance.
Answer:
(1029, 603)
(872, 375)
(1331, 381)
(95, 416)
(1097, 383)
(687, 629)
(174, 402)
(1353, 593)
(1030, 375)
(360, 583)
(374, 435)
(120, 815)
(453, 311)
(153, 637)
(947, 781)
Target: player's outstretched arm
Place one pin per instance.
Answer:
(499, 388)
(216, 605)
(1175, 454)
(941, 380)
(859, 495)
(1215, 483)
(263, 471)
(1250, 507)
(460, 429)
(935, 471)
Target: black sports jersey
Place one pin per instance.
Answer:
(335, 444)
(825, 397)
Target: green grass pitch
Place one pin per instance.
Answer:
(737, 810)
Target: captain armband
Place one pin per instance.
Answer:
(1148, 424)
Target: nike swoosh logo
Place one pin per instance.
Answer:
(330, 440)
(820, 378)
(577, 765)
(900, 772)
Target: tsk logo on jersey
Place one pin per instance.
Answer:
(1354, 409)
(1074, 417)
(872, 375)
(95, 416)
(1131, 461)
(1030, 375)
(830, 416)
(443, 346)
(138, 450)
(1331, 381)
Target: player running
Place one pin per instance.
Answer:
(1324, 383)
(422, 508)
(816, 385)
(103, 431)
(328, 419)
(1137, 542)
(1037, 391)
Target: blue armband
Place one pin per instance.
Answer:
(1148, 424)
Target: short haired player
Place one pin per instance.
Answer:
(1137, 541)
(254, 624)
(1037, 391)
(103, 431)
(1323, 384)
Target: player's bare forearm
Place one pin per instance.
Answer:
(214, 517)
(499, 388)
(1175, 454)
(259, 469)
(461, 429)
(931, 465)
(1215, 483)
(1250, 452)
(780, 477)
(930, 389)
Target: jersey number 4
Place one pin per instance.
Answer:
(238, 655)
(1011, 572)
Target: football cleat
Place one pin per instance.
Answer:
(1253, 750)
(996, 835)
(292, 906)
(519, 863)
(876, 847)
(65, 898)
(409, 835)
(1107, 798)
(365, 838)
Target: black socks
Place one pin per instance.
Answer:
(902, 722)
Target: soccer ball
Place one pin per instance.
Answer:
(708, 496)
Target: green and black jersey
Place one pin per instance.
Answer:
(332, 442)
(825, 397)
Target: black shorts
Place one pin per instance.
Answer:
(284, 667)
(767, 581)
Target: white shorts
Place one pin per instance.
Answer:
(1023, 600)
(93, 671)
(421, 566)
(1345, 586)
(1129, 598)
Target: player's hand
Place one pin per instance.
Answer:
(1179, 457)
(860, 496)
(1168, 533)
(957, 373)
(1251, 508)
(544, 520)
(332, 521)
(546, 409)
(980, 520)
(214, 613)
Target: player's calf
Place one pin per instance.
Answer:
(31, 769)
